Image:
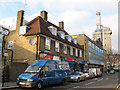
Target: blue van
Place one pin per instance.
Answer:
(44, 72)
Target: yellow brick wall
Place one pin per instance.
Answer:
(22, 50)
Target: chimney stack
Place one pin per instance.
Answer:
(98, 20)
(61, 24)
(44, 15)
(20, 17)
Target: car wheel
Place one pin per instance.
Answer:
(78, 80)
(84, 78)
(39, 85)
(64, 81)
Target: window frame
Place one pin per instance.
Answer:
(46, 43)
(57, 45)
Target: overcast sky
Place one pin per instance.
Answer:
(79, 16)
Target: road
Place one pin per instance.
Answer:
(104, 82)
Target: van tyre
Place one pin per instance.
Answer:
(64, 81)
(39, 85)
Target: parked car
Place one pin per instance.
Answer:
(78, 76)
(89, 74)
(96, 71)
(44, 72)
(112, 72)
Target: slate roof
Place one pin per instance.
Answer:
(40, 26)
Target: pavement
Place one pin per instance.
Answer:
(9, 85)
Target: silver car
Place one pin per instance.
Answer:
(78, 76)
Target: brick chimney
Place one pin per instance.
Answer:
(20, 16)
(61, 24)
(44, 14)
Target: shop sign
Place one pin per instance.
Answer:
(51, 57)
(70, 59)
(81, 61)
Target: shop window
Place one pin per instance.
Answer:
(47, 43)
(56, 46)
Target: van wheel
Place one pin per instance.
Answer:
(64, 81)
(39, 85)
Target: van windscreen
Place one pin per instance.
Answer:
(33, 68)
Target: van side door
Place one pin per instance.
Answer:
(52, 72)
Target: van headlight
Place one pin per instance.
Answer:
(30, 80)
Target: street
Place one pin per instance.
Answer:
(106, 81)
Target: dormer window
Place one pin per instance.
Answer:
(61, 34)
(53, 30)
(68, 38)
(74, 40)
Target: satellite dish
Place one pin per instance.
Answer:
(32, 41)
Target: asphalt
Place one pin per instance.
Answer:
(106, 82)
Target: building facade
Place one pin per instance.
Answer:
(94, 52)
(103, 34)
(40, 39)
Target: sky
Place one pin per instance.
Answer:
(79, 16)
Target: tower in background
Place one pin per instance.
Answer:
(102, 34)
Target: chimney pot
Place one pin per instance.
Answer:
(44, 14)
(61, 24)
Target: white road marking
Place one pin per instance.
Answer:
(73, 87)
(76, 87)
(89, 83)
(106, 78)
(95, 79)
(100, 79)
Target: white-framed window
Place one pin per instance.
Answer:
(71, 50)
(10, 45)
(57, 46)
(53, 30)
(74, 40)
(47, 43)
(76, 52)
(61, 34)
(65, 49)
(68, 38)
(80, 53)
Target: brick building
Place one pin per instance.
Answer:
(40, 39)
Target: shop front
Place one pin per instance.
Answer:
(72, 64)
(81, 65)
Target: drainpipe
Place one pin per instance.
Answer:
(7, 49)
(37, 48)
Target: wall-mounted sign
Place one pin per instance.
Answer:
(5, 54)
